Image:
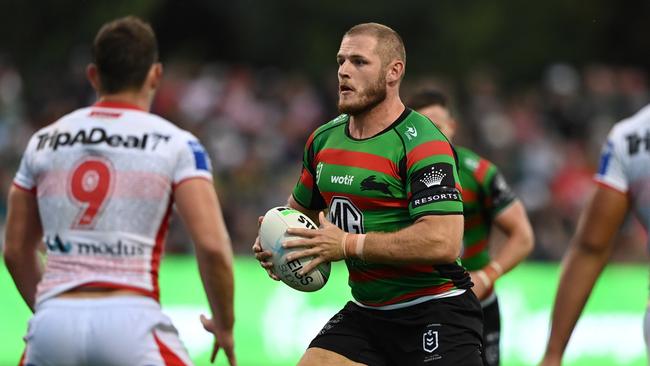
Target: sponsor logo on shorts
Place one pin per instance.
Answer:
(430, 343)
(430, 340)
(331, 323)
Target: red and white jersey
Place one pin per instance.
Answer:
(625, 162)
(104, 178)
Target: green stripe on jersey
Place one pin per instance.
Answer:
(480, 206)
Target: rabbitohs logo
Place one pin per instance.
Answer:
(411, 132)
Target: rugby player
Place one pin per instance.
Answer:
(97, 187)
(389, 179)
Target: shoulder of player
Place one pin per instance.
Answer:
(634, 123)
(472, 162)
(331, 125)
(415, 130)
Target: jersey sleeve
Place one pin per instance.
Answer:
(610, 170)
(496, 190)
(193, 161)
(25, 178)
(432, 176)
(306, 191)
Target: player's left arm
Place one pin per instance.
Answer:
(23, 235)
(514, 223)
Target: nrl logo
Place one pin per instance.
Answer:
(430, 341)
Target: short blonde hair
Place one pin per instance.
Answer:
(389, 44)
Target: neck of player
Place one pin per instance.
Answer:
(138, 98)
(373, 121)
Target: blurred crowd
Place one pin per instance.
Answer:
(545, 138)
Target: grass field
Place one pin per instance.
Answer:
(275, 323)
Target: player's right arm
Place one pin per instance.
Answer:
(306, 187)
(198, 206)
(22, 238)
(589, 251)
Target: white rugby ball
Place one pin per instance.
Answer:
(273, 232)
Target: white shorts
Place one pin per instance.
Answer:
(113, 331)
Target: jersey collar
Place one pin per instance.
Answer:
(119, 105)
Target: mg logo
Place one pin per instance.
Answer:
(344, 214)
(430, 340)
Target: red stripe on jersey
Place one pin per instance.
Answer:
(609, 186)
(105, 114)
(475, 249)
(168, 356)
(24, 189)
(358, 159)
(415, 294)
(428, 149)
(111, 285)
(368, 203)
(388, 273)
(306, 179)
(469, 195)
(158, 249)
(119, 105)
(481, 170)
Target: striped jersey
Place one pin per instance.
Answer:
(383, 184)
(104, 179)
(625, 162)
(485, 195)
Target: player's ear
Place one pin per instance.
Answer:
(93, 76)
(394, 72)
(154, 77)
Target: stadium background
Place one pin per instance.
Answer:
(536, 85)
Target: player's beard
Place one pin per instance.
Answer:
(370, 98)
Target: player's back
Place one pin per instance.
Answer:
(625, 162)
(104, 179)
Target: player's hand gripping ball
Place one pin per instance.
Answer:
(273, 232)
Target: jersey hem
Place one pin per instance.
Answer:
(609, 185)
(184, 180)
(417, 301)
(24, 189)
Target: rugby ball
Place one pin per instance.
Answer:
(273, 232)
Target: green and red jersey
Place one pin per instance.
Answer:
(485, 195)
(383, 184)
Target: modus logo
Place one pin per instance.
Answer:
(117, 249)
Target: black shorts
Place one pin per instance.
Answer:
(441, 332)
(491, 333)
